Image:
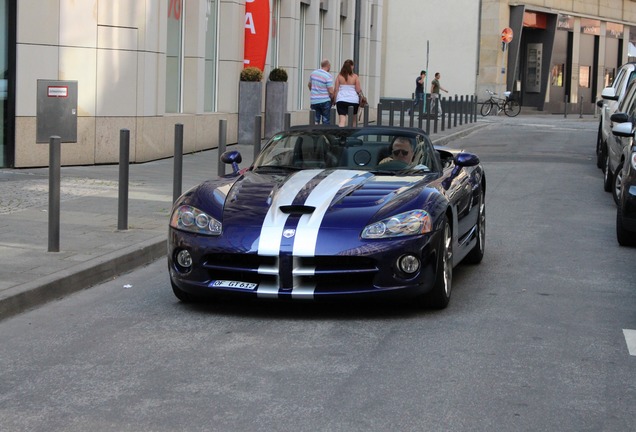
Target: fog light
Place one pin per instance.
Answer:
(184, 259)
(409, 264)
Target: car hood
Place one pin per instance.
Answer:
(262, 206)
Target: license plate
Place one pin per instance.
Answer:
(233, 284)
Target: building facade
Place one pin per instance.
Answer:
(146, 65)
(561, 50)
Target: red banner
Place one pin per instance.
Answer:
(256, 33)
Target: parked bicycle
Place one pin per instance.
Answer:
(506, 104)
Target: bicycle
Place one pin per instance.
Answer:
(508, 105)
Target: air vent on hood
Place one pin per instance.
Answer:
(297, 209)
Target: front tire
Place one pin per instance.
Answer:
(618, 182)
(599, 147)
(439, 297)
(182, 295)
(607, 175)
(486, 108)
(512, 108)
(624, 237)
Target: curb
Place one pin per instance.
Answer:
(54, 286)
(442, 141)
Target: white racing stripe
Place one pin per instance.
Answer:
(320, 198)
(630, 339)
(274, 223)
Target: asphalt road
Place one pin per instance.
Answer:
(534, 338)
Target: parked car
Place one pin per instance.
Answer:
(332, 213)
(626, 208)
(616, 143)
(610, 98)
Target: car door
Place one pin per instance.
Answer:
(616, 144)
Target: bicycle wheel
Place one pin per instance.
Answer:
(486, 108)
(512, 108)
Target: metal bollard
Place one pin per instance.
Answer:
(124, 166)
(402, 114)
(350, 116)
(378, 115)
(220, 170)
(178, 162)
(54, 193)
(581, 108)
(312, 117)
(365, 115)
(258, 120)
(333, 116)
(565, 110)
(391, 113)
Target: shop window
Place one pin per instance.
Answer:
(584, 76)
(174, 56)
(557, 75)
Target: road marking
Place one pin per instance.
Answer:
(630, 338)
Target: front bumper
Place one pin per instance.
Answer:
(353, 269)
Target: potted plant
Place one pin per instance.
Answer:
(250, 102)
(275, 101)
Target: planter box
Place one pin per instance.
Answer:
(275, 107)
(250, 103)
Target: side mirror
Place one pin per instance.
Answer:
(624, 130)
(619, 117)
(466, 159)
(599, 103)
(232, 157)
(609, 93)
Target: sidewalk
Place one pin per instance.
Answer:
(92, 249)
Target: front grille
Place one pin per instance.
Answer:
(288, 271)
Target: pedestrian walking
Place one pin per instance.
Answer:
(322, 92)
(348, 93)
(419, 91)
(436, 106)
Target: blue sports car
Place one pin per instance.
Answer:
(332, 213)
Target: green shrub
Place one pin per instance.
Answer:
(278, 74)
(251, 74)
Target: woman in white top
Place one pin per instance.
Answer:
(347, 89)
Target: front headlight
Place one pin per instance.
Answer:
(188, 218)
(414, 222)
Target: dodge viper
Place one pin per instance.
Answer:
(327, 213)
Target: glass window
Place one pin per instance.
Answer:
(584, 76)
(211, 53)
(174, 56)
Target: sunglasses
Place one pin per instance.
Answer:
(400, 152)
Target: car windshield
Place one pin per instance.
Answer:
(383, 151)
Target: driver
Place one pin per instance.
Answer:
(401, 150)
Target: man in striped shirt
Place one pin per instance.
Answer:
(321, 87)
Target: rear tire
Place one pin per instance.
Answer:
(486, 108)
(439, 297)
(512, 108)
(477, 252)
